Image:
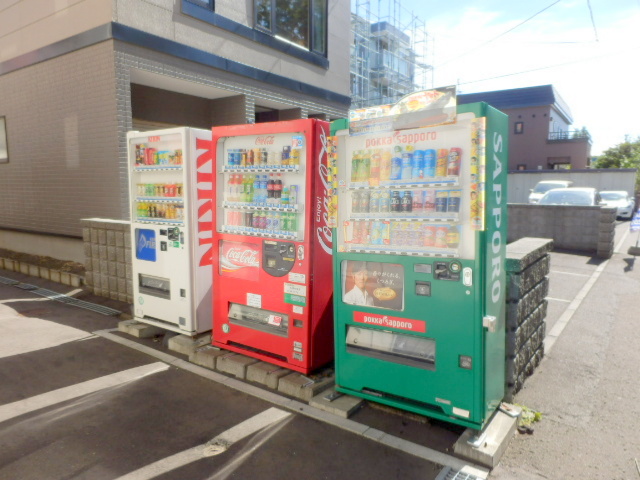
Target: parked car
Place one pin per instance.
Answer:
(544, 186)
(621, 200)
(583, 197)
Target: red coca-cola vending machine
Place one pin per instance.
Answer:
(272, 246)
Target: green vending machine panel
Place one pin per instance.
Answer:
(419, 284)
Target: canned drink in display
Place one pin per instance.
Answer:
(441, 236)
(286, 155)
(375, 233)
(429, 200)
(407, 159)
(264, 156)
(355, 202)
(441, 162)
(374, 202)
(396, 168)
(442, 199)
(295, 156)
(385, 202)
(453, 237)
(386, 233)
(364, 202)
(263, 220)
(429, 163)
(418, 201)
(417, 165)
(407, 201)
(396, 201)
(453, 204)
(429, 235)
(453, 165)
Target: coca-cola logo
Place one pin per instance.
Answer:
(323, 231)
(266, 140)
(244, 258)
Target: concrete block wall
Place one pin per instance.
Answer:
(589, 229)
(107, 249)
(527, 267)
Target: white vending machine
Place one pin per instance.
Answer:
(172, 209)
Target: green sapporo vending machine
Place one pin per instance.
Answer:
(419, 250)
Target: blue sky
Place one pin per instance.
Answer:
(588, 49)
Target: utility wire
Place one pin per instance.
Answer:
(593, 22)
(546, 67)
(499, 36)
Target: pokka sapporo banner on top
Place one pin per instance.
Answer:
(419, 109)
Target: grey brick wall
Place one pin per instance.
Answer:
(589, 229)
(527, 267)
(107, 248)
(62, 133)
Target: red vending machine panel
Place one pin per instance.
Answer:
(272, 245)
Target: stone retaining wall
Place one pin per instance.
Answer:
(589, 229)
(107, 251)
(527, 267)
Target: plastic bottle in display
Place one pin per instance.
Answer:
(276, 222)
(365, 167)
(429, 163)
(396, 166)
(270, 190)
(374, 171)
(385, 166)
(284, 199)
(293, 222)
(355, 166)
(417, 165)
(429, 200)
(355, 202)
(293, 195)
(256, 189)
(263, 189)
(277, 189)
(407, 158)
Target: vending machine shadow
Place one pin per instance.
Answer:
(418, 263)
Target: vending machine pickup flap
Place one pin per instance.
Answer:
(394, 347)
(264, 320)
(154, 286)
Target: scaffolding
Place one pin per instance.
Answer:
(390, 54)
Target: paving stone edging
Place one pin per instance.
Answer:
(58, 276)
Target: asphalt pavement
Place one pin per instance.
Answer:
(74, 404)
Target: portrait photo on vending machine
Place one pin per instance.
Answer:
(373, 284)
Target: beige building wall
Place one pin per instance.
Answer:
(63, 137)
(28, 25)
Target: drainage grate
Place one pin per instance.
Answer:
(449, 473)
(60, 297)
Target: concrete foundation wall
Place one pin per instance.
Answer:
(588, 229)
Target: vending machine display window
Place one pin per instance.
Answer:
(373, 284)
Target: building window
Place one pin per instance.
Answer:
(301, 22)
(522, 166)
(518, 127)
(4, 148)
(204, 3)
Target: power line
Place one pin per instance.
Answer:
(499, 36)
(547, 67)
(593, 22)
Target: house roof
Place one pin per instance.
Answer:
(539, 96)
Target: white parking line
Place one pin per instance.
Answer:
(558, 299)
(216, 446)
(564, 319)
(570, 273)
(15, 409)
